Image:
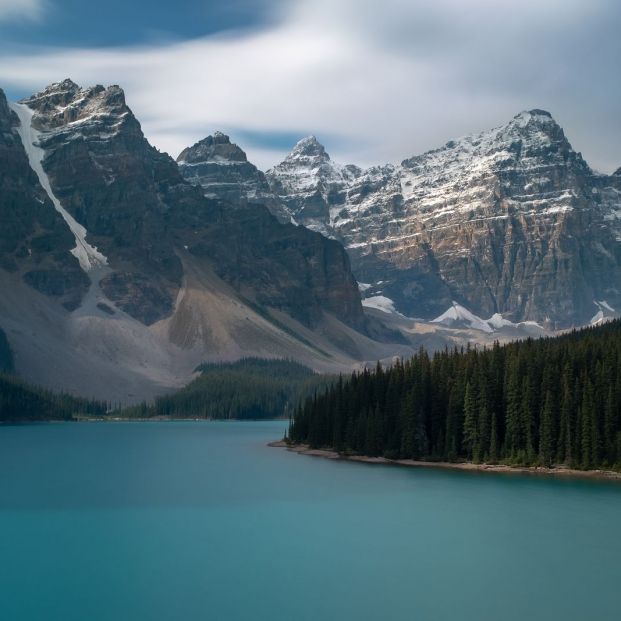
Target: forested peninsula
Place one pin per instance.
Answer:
(549, 402)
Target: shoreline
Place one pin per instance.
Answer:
(304, 449)
(151, 419)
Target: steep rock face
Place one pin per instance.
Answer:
(223, 172)
(311, 185)
(34, 240)
(274, 265)
(137, 211)
(509, 221)
(117, 186)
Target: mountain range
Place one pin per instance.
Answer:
(510, 221)
(122, 270)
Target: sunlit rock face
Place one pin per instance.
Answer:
(510, 221)
(311, 185)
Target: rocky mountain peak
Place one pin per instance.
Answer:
(66, 104)
(309, 147)
(54, 96)
(310, 184)
(536, 127)
(487, 219)
(222, 170)
(220, 137)
(65, 87)
(214, 148)
(535, 115)
(526, 140)
(617, 173)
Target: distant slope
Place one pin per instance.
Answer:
(251, 388)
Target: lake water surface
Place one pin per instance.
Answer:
(185, 521)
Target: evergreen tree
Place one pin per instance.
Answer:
(546, 431)
(471, 430)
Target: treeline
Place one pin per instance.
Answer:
(546, 402)
(251, 388)
(22, 402)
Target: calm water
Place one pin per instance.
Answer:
(187, 521)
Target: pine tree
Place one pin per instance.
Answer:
(494, 442)
(471, 432)
(513, 422)
(586, 417)
(546, 431)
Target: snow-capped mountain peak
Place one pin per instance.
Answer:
(309, 147)
(222, 170)
(510, 220)
(536, 115)
(66, 112)
(311, 185)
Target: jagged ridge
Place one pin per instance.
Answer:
(509, 221)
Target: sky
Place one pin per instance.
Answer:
(376, 82)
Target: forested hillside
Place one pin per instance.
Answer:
(252, 388)
(550, 401)
(21, 402)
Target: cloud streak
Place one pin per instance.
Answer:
(20, 9)
(376, 81)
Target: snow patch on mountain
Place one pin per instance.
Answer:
(597, 318)
(606, 306)
(497, 322)
(88, 256)
(457, 316)
(604, 313)
(379, 302)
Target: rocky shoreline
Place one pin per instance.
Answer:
(304, 449)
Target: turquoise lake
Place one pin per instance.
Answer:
(185, 521)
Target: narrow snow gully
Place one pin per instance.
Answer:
(89, 257)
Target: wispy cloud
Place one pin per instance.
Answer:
(378, 81)
(21, 9)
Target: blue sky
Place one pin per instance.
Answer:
(375, 81)
(79, 23)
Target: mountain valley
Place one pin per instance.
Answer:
(123, 270)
